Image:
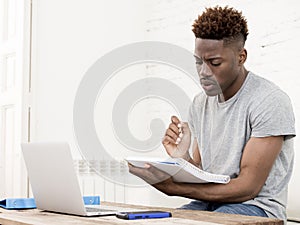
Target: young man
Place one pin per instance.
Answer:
(242, 125)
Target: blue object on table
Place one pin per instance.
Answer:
(29, 203)
(91, 200)
(18, 203)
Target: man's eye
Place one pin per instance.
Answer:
(215, 63)
(199, 63)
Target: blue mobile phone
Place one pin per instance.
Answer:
(143, 215)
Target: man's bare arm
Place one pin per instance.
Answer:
(256, 163)
(196, 160)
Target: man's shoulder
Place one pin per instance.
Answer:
(260, 83)
(261, 88)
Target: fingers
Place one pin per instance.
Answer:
(174, 131)
(149, 173)
(167, 140)
(175, 120)
(185, 128)
(171, 136)
(180, 135)
(138, 170)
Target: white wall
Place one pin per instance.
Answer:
(69, 36)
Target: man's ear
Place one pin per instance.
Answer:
(242, 56)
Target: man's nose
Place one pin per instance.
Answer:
(205, 70)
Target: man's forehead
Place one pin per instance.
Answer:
(209, 44)
(208, 47)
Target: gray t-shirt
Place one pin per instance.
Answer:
(258, 109)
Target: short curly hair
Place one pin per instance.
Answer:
(219, 23)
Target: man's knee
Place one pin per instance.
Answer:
(242, 209)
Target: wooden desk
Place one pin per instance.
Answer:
(186, 217)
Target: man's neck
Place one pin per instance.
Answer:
(237, 84)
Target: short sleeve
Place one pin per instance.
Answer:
(273, 116)
(191, 118)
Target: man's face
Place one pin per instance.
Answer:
(217, 66)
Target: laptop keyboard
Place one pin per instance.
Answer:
(93, 209)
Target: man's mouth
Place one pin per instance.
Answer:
(208, 84)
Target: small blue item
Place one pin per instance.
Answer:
(29, 203)
(91, 200)
(143, 215)
(18, 203)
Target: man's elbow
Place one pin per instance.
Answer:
(252, 194)
(251, 191)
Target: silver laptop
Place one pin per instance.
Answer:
(53, 180)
